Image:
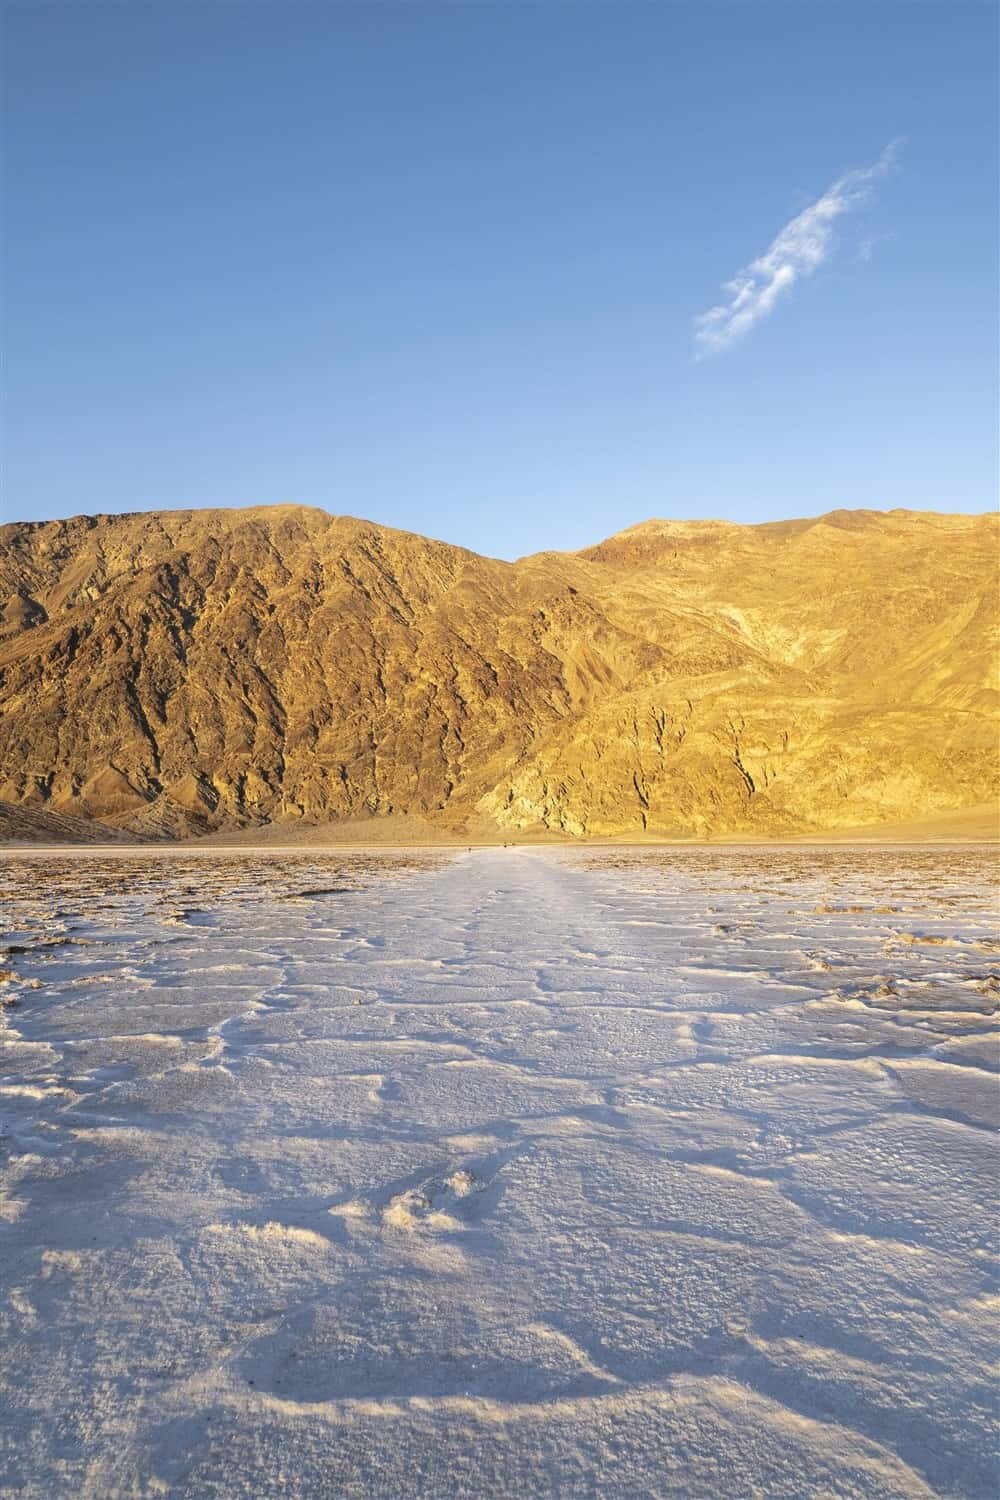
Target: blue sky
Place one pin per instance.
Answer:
(441, 265)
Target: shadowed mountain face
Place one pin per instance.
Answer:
(186, 671)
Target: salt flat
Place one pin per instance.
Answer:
(521, 1172)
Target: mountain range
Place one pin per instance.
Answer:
(183, 672)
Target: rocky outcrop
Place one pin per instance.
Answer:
(185, 672)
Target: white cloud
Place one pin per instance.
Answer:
(795, 252)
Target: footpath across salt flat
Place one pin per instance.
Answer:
(521, 1172)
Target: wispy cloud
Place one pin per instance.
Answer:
(794, 253)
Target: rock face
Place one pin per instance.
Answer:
(188, 671)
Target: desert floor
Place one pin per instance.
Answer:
(520, 1172)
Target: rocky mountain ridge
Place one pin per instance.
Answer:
(183, 672)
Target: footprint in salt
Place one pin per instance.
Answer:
(383, 1089)
(435, 1203)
